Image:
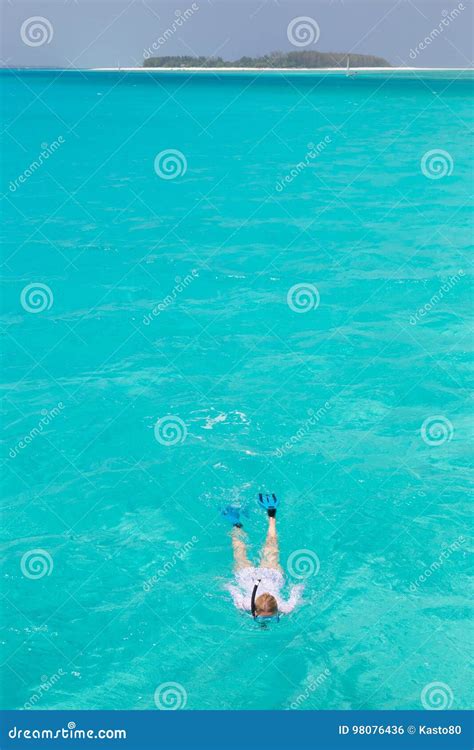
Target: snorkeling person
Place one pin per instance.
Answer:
(258, 589)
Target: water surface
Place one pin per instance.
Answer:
(169, 297)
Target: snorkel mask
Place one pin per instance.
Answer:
(265, 620)
(262, 620)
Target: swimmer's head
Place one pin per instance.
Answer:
(266, 606)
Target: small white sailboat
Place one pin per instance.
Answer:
(349, 72)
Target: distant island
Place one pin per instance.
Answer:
(303, 59)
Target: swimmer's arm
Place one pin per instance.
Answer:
(237, 596)
(293, 601)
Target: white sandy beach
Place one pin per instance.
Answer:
(289, 70)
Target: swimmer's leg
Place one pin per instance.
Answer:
(240, 549)
(270, 552)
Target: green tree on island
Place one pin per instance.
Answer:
(306, 59)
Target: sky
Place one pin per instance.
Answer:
(107, 33)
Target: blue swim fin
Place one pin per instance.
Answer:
(232, 514)
(269, 503)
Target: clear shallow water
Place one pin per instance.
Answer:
(360, 488)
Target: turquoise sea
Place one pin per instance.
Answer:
(282, 303)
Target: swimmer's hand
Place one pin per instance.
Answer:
(296, 595)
